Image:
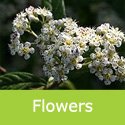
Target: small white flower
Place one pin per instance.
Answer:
(33, 18)
(30, 10)
(80, 58)
(24, 49)
(103, 28)
(78, 66)
(92, 70)
(26, 56)
(107, 82)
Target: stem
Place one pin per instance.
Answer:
(43, 20)
(86, 64)
(33, 43)
(54, 85)
(33, 33)
(88, 58)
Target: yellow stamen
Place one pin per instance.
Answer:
(104, 31)
(19, 25)
(111, 54)
(112, 41)
(74, 61)
(120, 63)
(82, 45)
(108, 75)
(25, 50)
(99, 55)
(69, 41)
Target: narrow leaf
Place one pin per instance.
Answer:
(20, 80)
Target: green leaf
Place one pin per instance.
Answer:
(67, 85)
(58, 9)
(56, 6)
(20, 80)
(47, 4)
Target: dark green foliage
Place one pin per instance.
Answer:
(81, 78)
(20, 80)
(67, 85)
(58, 9)
(47, 4)
(56, 6)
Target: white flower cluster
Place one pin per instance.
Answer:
(62, 44)
(106, 63)
(21, 24)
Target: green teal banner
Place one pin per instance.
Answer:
(75, 107)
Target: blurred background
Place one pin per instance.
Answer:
(86, 12)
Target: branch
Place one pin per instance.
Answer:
(3, 70)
